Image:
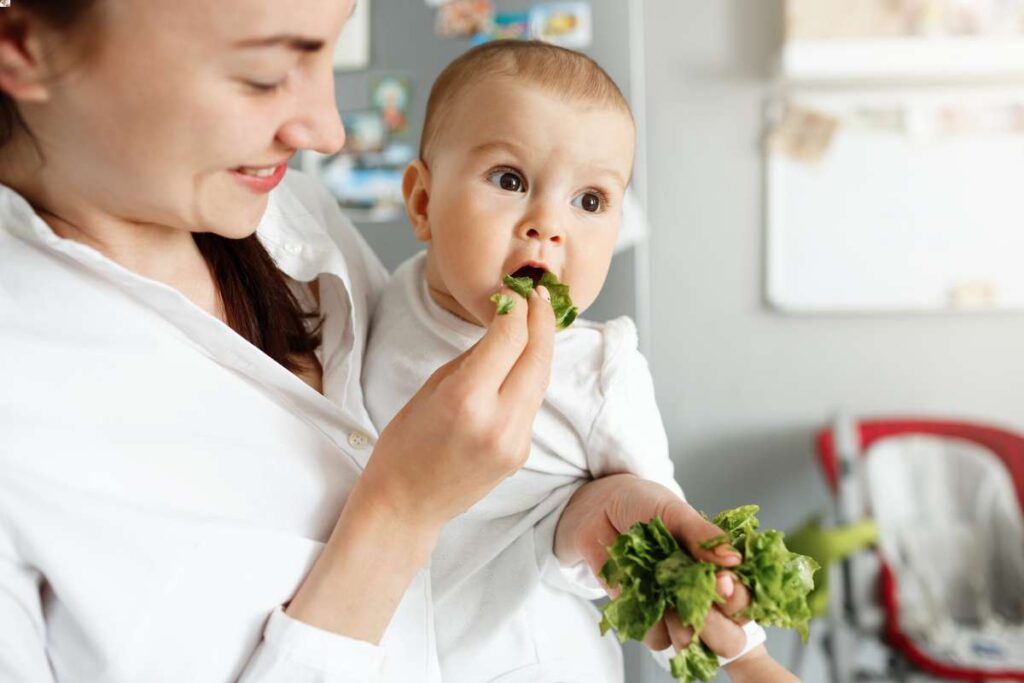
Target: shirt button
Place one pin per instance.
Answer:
(358, 440)
(293, 247)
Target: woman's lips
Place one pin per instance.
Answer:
(260, 183)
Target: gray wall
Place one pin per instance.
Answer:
(742, 389)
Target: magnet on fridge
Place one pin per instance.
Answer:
(463, 18)
(562, 23)
(390, 95)
(504, 26)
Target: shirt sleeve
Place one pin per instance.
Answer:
(22, 628)
(576, 578)
(292, 650)
(628, 434)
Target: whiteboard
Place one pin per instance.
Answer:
(898, 220)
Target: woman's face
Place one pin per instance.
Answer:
(176, 97)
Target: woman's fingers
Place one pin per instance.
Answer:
(489, 362)
(686, 524)
(528, 380)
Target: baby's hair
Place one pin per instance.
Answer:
(572, 75)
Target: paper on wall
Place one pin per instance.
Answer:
(803, 134)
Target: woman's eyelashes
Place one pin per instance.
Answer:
(265, 88)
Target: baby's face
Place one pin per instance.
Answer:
(522, 179)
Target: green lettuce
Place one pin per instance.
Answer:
(503, 303)
(520, 285)
(654, 573)
(565, 312)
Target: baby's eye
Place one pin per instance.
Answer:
(589, 201)
(508, 180)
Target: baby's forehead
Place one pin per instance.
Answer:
(497, 105)
(537, 132)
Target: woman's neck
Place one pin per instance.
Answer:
(165, 254)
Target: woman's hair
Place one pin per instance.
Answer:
(258, 303)
(572, 75)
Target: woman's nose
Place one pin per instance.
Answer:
(316, 124)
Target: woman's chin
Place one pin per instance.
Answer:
(236, 225)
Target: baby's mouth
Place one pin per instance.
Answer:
(531, 272)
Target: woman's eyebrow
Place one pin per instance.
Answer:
(293, 42)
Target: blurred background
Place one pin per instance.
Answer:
(824, 221)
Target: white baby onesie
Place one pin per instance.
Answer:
(504, 607)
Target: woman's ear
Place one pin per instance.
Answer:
(416, 190)
(22, 72)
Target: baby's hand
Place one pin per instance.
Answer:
(604, 508)
(723, 631)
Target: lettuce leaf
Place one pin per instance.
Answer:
(565, 312)
(520, 285)
(694, 663)
(654, 573)
(503, 303)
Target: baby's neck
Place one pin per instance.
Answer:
(449, 303)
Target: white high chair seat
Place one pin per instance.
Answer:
(951, 529)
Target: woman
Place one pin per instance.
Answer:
(186, 491)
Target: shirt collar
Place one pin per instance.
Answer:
(291, 233)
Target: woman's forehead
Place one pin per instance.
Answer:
(227, 22)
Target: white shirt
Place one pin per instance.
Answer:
(504, 609)
(164, 485)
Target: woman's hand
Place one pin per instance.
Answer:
(469, 427)
(604, 508)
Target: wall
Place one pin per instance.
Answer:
(742, 389)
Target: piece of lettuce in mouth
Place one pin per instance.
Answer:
(653, 574)
(565, 312)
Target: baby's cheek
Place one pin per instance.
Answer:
(584, 288)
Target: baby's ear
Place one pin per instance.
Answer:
(416, 190)
(22, 70)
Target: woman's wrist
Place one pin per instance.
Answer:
(366, 566)
(757, 666)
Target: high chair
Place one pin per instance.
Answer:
(942, 593)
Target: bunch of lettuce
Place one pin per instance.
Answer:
(565, 312)
(655, 574)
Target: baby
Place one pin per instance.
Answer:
(526, 153)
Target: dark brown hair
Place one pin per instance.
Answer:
(570, 74)
(258, 303)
